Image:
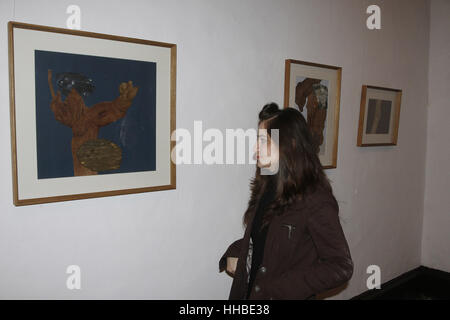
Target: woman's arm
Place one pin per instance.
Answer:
(232, 251)
(334, 266)
(104, 113)
(63, 110)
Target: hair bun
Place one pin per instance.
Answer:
(268, 111)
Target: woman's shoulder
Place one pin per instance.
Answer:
(319, 197)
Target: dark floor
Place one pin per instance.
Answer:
(421, 287)
(421, 283)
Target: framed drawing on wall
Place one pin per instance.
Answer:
(91, 114)
(315, 90)
(379, 116)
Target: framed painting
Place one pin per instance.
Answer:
(379, 116)
(91, 114)
(315, 90)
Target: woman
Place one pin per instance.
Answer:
(293, 246)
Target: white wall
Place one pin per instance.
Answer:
(166, 245)
(436, 224)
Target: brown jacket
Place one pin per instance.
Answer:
(305, 253)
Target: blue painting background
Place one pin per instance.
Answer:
(135, 133)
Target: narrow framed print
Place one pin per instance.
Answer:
(315, 90)
(91, 114)
(379, 116)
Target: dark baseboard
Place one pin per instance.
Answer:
(410, 276)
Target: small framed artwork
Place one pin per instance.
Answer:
(379, 116)
(315, 90)
(91, 114)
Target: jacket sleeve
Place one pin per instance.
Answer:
(334, 266)
(232, 251)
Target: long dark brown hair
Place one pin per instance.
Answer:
(300, 172)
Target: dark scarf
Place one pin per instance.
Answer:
(266, 198)
(259, 234)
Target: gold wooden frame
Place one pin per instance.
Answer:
(362, 112)
(287, 77)
(173, 66)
